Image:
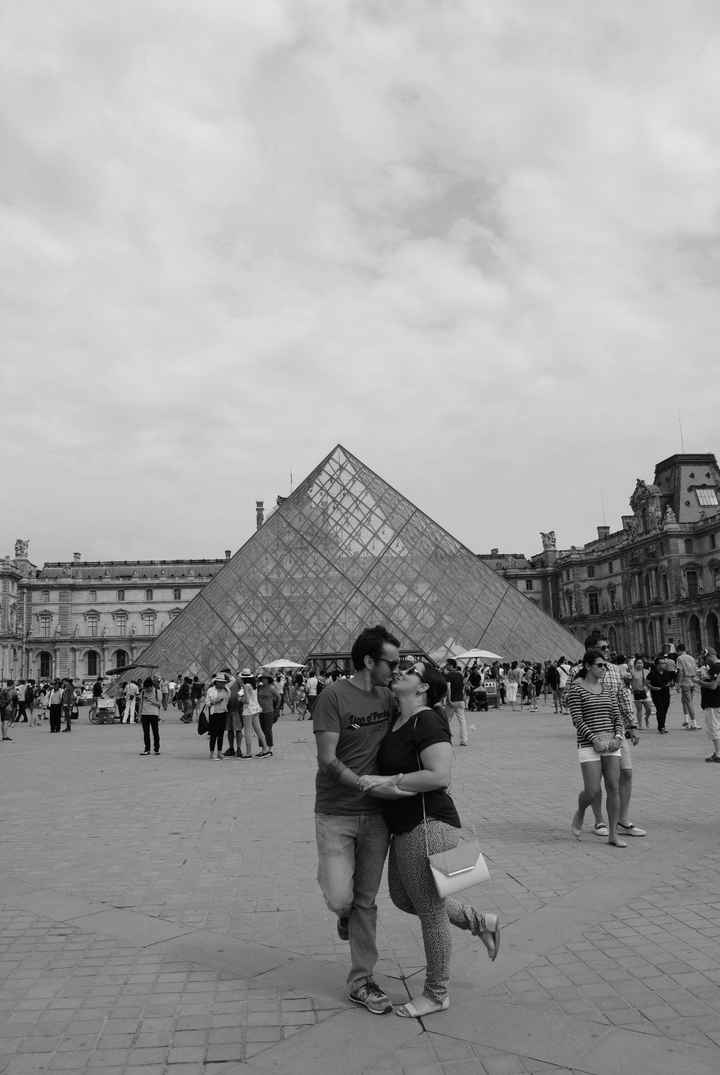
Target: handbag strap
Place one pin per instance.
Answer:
(422, 796)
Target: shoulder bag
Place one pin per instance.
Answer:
(459, 868)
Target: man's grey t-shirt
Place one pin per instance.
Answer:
(361, 719)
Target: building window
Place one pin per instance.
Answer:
(713, 541)
(45, 624)
(121, 658)
(707, 498)
(92, 595)
(692, 584)
(612, 594)
(92, 622)
(177, 594)
(665, 588)
(92, 663)
(610, 567)
(528, 584)
(121, 595)
(593, 603)
(591, 571)
(688, 545)
(148, 622)
(121, 623)
(45, 665)
(148, 595)
(45, 595)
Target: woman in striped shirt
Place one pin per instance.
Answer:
(600, 730)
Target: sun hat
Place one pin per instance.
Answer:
(246, 673)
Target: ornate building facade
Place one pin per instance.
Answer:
(81, 618)
(654, 581)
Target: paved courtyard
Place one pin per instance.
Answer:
(160, 916)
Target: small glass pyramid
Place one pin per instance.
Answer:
(345, 551)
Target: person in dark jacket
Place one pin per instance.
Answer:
(268, 697)
(68, 701)
(150, 703)
(659, 679)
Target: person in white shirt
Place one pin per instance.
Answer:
(131, 693)
(311, 688)
(687, 677)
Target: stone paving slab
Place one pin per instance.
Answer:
(161, 915)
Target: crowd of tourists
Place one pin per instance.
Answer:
(384, 736)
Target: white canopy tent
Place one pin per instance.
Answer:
(281, 662)
(478, 655)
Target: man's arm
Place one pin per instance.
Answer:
(330, 764)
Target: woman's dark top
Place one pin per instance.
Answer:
(710, 699)
(399, 753)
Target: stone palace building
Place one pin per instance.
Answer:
(654, 581)
(82, 618)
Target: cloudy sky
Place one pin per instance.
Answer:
(476, 242)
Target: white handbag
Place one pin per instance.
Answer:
(460, 867)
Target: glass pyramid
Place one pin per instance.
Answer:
(343, 552)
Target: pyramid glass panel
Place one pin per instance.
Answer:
(344, 551)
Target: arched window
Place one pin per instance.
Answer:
(694, 639)
(120, 658)
(45, 665)
(93, 662)
(713, 631)
(691, 579)
(651, 640)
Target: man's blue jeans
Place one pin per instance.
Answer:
(351, 854)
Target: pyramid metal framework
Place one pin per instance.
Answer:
(343, 552)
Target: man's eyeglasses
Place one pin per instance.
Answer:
(601, 664)
(392, 665)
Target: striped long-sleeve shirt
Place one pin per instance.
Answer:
(613, 682)
(593, 714)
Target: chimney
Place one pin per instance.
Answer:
(603, 533)
(259, 513)
(227, 554)
(77, 557)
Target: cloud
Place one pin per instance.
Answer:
(479, 238)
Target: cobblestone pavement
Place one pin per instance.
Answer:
(160, 916)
